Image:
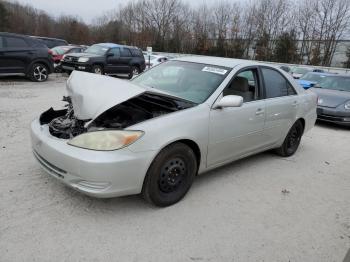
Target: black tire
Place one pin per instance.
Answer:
(38, 72)
(131, 73)
(170, 175)
(97, 69)
(292, 140)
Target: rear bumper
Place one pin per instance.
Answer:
(333, 115)
(95, 173)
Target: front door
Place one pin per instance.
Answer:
(237, 131)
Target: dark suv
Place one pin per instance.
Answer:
(107, 58)
(26, 56)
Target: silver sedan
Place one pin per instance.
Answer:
(154, 134)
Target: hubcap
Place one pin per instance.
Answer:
(294, 138)
(98, 71)
(172, 175)
(40, 73)
(135, 71)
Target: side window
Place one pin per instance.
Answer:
(136, 52)
(276, 84)
(115, 51)
(15, 42)
(246, 85)
(125, 52)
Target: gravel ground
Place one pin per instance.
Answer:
(263, 208)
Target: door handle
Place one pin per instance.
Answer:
(259, 111)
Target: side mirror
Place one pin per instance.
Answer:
(110, 54)
(229, 101)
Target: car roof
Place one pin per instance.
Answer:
(110, 45)
(68, 46)
(220, 61)
(48, 38)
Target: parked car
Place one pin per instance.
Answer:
(154, 60)
(155, 133)
(51, 42)
(59, 51)
(312, 78)
(24, 56)
(298, 72)
(334, 99)
(107, 58)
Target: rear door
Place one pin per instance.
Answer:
(282, 104)
(125, 59)
(113, 61)
(15, 55)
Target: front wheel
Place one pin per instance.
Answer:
(97, 69)
(170, 175)
(39, 72)
(292, 140)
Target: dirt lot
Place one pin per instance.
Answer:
(264, 208)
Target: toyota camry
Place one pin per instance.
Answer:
(155, 133)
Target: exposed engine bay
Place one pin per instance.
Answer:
(64, 124)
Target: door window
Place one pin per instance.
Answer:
(125, 52)
(15, 42)
(245, 84)
(115, 52)
(276, 84)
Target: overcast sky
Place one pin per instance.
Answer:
(86, 9)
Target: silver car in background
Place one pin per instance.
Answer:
(154, 134)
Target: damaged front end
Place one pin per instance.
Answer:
(62, 123)
(65, 125)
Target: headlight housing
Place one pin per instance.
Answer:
(83, 59)
(105, 140)
(347, 105)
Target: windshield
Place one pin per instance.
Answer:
(341, 83)
(96, 49)
(313, 77)
(299, 70)
(190, 81)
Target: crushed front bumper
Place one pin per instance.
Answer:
(96, 173)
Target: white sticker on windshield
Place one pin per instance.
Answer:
(104, 49)
(214, 70)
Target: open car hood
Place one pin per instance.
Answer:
(93, 94)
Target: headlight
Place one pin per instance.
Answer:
(83, 59)
(105, 140)
(347, 105)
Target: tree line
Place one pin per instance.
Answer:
(289, 31)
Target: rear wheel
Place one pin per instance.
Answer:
(97, 69)
(39, 72)
(292, 140)
(170, 175)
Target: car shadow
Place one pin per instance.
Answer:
(136, 203)
(331, 125)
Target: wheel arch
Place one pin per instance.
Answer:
(39, 61)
